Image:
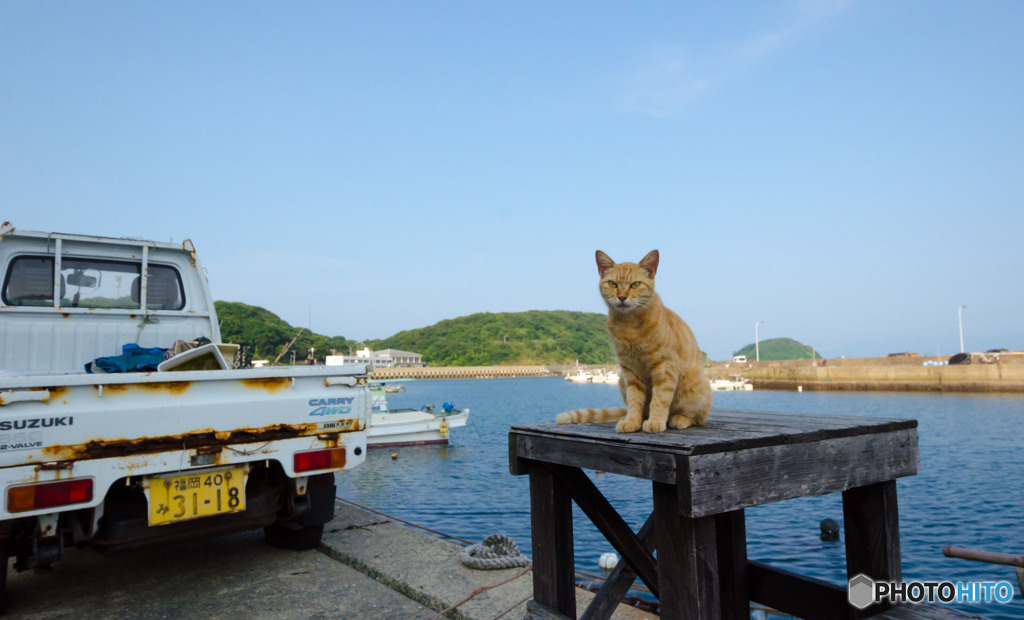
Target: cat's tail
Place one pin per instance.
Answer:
(580, 416)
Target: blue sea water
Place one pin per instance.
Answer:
(969, 491)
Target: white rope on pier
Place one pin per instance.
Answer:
(497, 551)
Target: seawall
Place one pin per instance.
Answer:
(985, 373)
(461, 372)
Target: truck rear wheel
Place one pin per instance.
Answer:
(4, 549)
(303, 528)
(294, 536)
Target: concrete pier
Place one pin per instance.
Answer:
(427, 569)
(367, 566)
(985, 373)
(461, 372)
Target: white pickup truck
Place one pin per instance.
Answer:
(194, 448)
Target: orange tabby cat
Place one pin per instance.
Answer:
(663, 381)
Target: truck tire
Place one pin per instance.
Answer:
(305, 532)
(294, 536)
(5, 545)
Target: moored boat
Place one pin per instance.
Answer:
(391, 428)
(580, 375)
(736, 383)
(610, 377)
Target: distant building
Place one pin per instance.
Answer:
(388, 358)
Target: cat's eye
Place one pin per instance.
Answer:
(612, 284)
(634, 285)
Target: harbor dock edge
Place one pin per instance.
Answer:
(986, 373)
(427, 569)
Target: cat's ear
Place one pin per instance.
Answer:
(650, 262)
(604, 262)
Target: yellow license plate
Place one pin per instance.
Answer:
(180, 497)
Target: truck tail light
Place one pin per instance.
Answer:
(49, 495)
(331, 458)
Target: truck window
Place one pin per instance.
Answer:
(29, 282)
(91, 283)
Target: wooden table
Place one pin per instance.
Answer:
(703, 478)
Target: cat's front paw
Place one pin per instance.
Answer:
(626, 425)
(680, 421)
(654, 426)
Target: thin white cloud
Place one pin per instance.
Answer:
(664, 81)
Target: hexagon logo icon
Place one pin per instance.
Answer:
(860, 591)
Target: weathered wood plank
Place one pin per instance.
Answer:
(687, 559)
(724, 482)
(804, 597)
(517, 465)
(659, 466)
(554, 580)
(924, 611)
(726, 430)
(810, 418)
(644, 464)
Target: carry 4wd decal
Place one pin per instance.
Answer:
(330, 406)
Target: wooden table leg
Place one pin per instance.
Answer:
(554, 581)
(687, 559)
(731, 537)
(872, 527)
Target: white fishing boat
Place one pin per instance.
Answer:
(736, 383)
(391, 428)
(611, 377)
(580, 375)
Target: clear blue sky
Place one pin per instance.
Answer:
(851, 173)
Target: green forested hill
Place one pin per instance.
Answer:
(778, 349)
(267, 333)
(483, 339)
(533, 337)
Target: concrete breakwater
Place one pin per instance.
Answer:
(461, 372)
(986, 373)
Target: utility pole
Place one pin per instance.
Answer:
(757, 347)
(960, 316)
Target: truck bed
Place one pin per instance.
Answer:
(69, 416)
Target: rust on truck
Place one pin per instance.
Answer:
(40, 394)
(270, 384)
(115, 447)
(173, 387)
